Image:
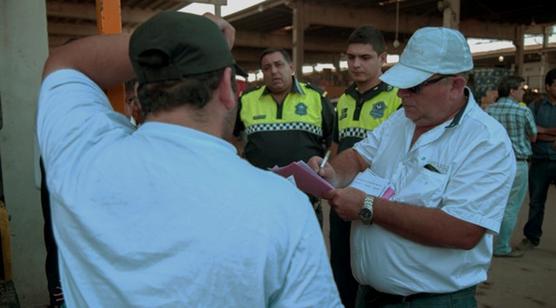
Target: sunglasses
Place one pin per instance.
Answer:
(416, 89)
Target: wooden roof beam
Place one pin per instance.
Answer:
(58, 28)
(338, 16)
(251, 55)
(253, 10)
(88, 12)
(264, 40)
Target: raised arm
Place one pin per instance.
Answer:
(103, 58)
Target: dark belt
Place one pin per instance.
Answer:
(379, 298)
(522, 159)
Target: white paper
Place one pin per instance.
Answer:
(372, 184)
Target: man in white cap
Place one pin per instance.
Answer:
(451, 166)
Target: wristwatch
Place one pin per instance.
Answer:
(366, 213)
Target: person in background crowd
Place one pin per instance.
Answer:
(520, 125)
(543, 164)
(55, 294)
(132, 108)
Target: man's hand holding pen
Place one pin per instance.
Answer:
(324, 169)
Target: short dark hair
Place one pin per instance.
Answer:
(130, 85)
(284, 53)
(507, 84)
(194, 90)
(550, 77)
(368, 35)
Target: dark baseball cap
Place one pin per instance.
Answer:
(172, 45)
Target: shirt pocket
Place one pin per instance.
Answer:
(418, 185)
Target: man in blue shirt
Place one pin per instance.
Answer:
(543, 165)
(168, 214)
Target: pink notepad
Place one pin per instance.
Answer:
(306, 178)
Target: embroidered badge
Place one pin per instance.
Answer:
(301, 109)
(378, 110)
(259, 117)
(343, 113)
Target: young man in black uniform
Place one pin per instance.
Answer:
(364, 106)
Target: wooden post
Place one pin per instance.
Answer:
(5, 241)
(451, 13)
(519, 48)
(218, 10)
(109, 21)
(298, 38)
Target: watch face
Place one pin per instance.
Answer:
(365, 213)
(366, 216)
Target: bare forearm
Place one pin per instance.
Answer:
(546, 130)
(347, 165)
(333, 150)
(546, 137)
(103, 58)
(427, 226)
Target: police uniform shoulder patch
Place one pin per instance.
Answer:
(317, 89)
(343, 113)
(378, 110)
(301, 109)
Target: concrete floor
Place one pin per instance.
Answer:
(526, 282)
(529, 281)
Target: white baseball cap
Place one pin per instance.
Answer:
(430, 50)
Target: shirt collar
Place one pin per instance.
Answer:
(507, 99)
(296, 88)
(372, 92)
(465, 109)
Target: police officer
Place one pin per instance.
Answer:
(284, 120)
(366, 103)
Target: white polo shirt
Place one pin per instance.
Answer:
(168, 216)
(475, 166)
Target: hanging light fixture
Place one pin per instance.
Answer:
(396, 43)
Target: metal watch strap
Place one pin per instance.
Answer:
(366, 213)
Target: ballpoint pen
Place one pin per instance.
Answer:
(323, 162)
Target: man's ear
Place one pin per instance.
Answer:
(382, 57)
(458, 83)
(226, 94)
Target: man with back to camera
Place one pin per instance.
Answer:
(284, 120)
(543, 163)
(168, 214)
(520, 126)
(364, 106)
(451, 166)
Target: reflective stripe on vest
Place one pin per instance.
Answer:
(300, 112)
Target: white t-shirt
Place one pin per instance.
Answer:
(167, 216)
(474, 168)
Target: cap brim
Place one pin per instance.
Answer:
(403, 77)
(240, 71)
